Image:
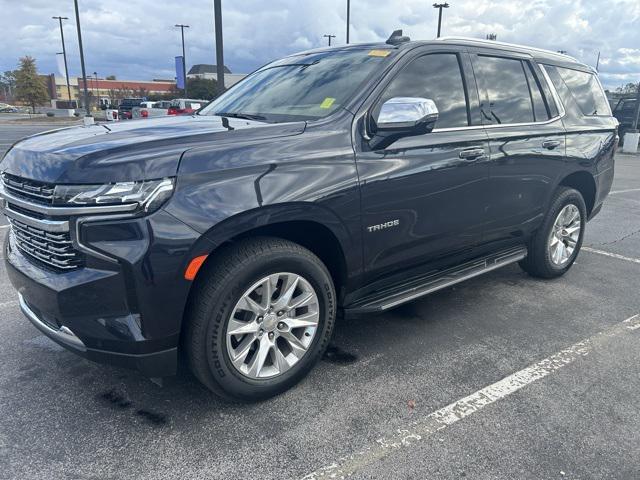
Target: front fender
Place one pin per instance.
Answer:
(223, 192)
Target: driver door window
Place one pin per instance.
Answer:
(437, 77)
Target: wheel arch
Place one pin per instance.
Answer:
(312, 226)
(583, 182)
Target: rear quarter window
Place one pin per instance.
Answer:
(585, 90)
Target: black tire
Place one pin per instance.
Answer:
(538, 262)
(220, 286)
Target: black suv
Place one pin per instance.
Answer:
(624, 111)
(346, 181)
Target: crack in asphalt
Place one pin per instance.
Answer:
(624, 237)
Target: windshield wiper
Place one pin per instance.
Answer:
(246, 116)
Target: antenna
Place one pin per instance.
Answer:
(397, 38)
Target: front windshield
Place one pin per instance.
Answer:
(303, 87)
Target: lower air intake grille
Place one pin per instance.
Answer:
(54, 250)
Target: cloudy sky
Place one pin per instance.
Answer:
(135, 39)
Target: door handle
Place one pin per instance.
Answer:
(471, 154)
(550, 144)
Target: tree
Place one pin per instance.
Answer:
(29, 86)
(8, 84)
(202, 88)
(110, 77)
(628, 88)
(141, 92)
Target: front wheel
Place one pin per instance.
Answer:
(261, 318)
(555, 246)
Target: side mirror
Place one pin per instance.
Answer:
(403, 117)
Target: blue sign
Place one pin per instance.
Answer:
(180, 73)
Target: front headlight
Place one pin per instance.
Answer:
(148, 194)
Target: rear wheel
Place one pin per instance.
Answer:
(556, 245)
(261, 318)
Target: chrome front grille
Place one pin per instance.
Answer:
(54, 249)
(31, 190)
(39, 230)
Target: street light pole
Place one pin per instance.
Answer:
(329, 37)
(348, 18)
(84, 73)
(64, 55)
(440, 6)
(217, 24)
(184, 58)
(97, 87)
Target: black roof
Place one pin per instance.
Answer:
(202, 68)
(538, 54)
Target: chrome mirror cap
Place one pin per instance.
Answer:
(406, 111)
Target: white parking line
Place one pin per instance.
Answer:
(12, 303)
(3, 227)
(625, 191)
(612, 255)
(421, 429)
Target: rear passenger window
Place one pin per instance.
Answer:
(506, 87)
(586, 91)
(437, 77)
(540, 112)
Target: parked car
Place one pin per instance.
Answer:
(350, 179)
(9, 109)
(624, 111)
(156, 109)
(126, 105)
(183, 106)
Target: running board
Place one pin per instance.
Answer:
(434, 281)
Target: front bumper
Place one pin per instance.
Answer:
(156, 364)
(125, 305)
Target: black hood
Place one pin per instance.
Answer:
(130, 150)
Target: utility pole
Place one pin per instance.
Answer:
(84, 73)
(598, 61)
(329, 37)
(64, 55)
(217, 17)
(348, 19)
(440, 6)
(184, 58)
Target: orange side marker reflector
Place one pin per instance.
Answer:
(194, 265)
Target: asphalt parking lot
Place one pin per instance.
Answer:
(503, 376)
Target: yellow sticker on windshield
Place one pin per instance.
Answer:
(327, 102)
(379, 53)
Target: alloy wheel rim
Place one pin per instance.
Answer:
(564, 235)
(272, 325)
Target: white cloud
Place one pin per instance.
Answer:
(136, 38)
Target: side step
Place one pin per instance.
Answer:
(434, 281)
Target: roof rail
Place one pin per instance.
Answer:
(495, 42)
